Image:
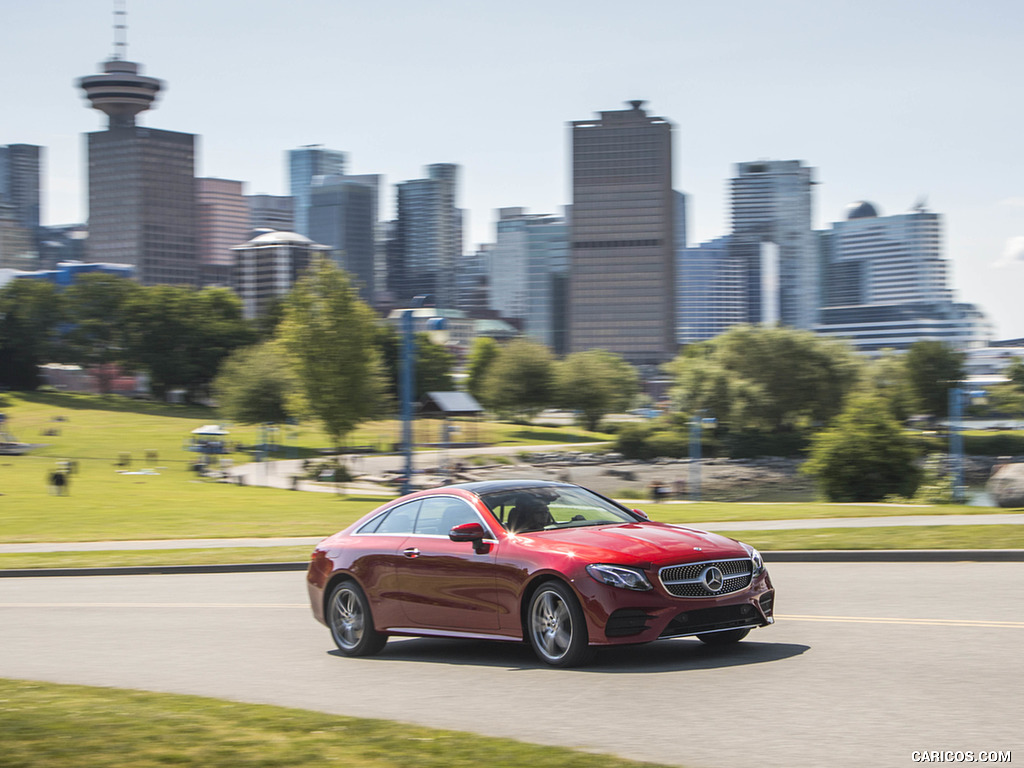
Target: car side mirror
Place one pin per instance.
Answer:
(642, 514)
(472, 532)
(466, 532)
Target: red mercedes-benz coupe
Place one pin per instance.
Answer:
(553, 563)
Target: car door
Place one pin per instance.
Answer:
(380, 543)
(445, 584)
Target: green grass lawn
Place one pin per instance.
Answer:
(724, 512)
(66, 726)
(904, 537)
(106, 502)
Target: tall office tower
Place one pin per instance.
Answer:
(427, 238)
(886, 283)
(772, 204)
(142, 204)
(712, 289)
(529, 274)
(20, 182)
(17, 248)
(622, 266)
(343, 216)
(472, 281)
(304, 165)
(222, 223)
(271, 212)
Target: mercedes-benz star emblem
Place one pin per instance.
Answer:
(713, 578)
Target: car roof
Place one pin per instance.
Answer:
(490, 486)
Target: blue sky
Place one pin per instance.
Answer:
(889, 101)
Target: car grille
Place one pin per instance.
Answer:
(697, 579)
(711, 620)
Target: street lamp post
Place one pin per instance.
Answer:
(957, 396)
(697, 424)
(405, 386)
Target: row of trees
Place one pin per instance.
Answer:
(179, 336)
(324, 354)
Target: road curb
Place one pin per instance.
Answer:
(778, 556)
(894, 555)
(154, 570)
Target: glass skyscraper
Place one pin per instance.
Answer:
(304, 165)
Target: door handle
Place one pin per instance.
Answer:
(411, 553)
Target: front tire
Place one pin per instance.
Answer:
(351, 622)
(729, 637)
(556, 627)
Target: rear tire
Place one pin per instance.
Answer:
(556, 627)
(729, 637)
(351, 622)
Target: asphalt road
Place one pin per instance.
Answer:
(868, 663)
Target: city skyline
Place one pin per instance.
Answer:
(888, 102)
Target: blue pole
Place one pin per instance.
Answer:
(695, 427)
(406, 395)
(956, 441)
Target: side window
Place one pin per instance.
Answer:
(439, 514)
(400, 519)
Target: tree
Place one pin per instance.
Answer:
(254, 385)
(887, 376)
(96, 305)
(484, 352)
(933, 367)
(766, 378)
(595, 383)
(1014, 371)
(328, 334)
(31, 312)
(864, 455)
(519, 383)
(181, 336)
(433, 362)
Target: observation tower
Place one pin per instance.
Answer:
(120, 92)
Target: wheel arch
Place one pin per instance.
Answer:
(531, 588)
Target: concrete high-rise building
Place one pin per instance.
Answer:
(772, 204)
(622, 266)
(142, 204)
(304, 165)
(271, 212)
(223, 223)
(529, 267)
(343, 216)
(427, 238)
(887, 283)
(268, 266)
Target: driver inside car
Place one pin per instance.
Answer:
(529, 514)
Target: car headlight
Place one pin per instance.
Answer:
(619, 576)
(758, 561)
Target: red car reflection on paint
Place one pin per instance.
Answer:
(553, 563)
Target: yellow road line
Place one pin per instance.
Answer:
(907, 621)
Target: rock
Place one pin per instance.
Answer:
(1006, 486)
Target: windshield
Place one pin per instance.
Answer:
(551, 507)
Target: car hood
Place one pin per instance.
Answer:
(657, 543)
